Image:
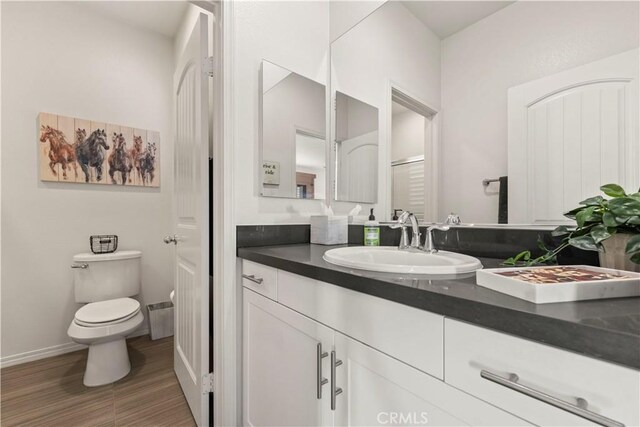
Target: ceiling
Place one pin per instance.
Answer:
(163, 17)
(448, 17)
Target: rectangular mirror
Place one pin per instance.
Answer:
(500, 112)
(293, 140)
(356, 150)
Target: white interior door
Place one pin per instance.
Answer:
(191, 354)
(570, 133)
(358, 168)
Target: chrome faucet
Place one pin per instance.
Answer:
(429, 247)
(404, 236)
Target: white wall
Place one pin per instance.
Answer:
(294, 35)
(347, 13)
(390, 46)
(408, 138)
(522, 42)
(59, 58)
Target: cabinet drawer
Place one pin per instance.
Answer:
(406, 333)
(475, 358)
(260, 278)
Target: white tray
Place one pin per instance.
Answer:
(623, 284)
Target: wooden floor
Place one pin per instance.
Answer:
(49, 392)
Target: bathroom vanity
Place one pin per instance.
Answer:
(326, 345)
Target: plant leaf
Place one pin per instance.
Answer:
(562, 230)
(600, 233)
(609, 219)
(625, 207)
(585, 215)
(585, 242)
(593, 201)
(613, 190)
(635, 258)
(635, 196)
(633, 245)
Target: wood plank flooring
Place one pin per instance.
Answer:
(49, 392)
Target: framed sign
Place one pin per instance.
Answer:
(271, 173)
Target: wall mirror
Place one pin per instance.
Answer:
(293, 143)
(356, 150)
(501, 112)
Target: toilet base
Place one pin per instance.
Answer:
(107, 363)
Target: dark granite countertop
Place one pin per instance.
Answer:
(603, 329)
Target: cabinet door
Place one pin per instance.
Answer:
(280, 369)
(380, 390)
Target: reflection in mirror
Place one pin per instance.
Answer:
(356, 150)
(310, 166)
(293, 135)
(534, 105)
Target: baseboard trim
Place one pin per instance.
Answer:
(56, 350)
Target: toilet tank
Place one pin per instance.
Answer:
(106, 276)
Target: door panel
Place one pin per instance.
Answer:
(280, 376)
(191, 225)
(570, 133)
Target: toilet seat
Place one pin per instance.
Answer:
(104, 313)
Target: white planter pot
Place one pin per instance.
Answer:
(614, 255)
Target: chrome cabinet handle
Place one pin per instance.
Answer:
(171, 239)
(253, 278)
(320, 379)
(82, 265)
(334, 390)
(581, 410)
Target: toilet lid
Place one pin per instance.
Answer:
(107, 311)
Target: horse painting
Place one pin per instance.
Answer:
(106, 153)
(147, 163)
(136, 153)
(60, 151)
(120, 159)
(90, 153)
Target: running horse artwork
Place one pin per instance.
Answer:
(120, 160)
(90, 153)
(60, 151)
(131, 158)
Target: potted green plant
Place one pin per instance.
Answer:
(609, 226)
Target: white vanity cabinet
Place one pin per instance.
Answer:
(380, 390)
(280, 371)
(306, 362)
(539, 383)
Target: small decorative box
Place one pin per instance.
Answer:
(560, 283)
(329, 230)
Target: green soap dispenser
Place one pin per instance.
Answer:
(371, 231)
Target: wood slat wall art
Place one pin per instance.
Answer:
(83, 151)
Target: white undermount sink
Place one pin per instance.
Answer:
(389, 259)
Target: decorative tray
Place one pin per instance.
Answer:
(560, 283)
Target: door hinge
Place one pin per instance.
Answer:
(207, 66)
(208, 383)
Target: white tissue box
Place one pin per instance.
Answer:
(329, 230)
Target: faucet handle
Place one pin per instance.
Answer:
(400, 222)
(438, 227)
(429, 246)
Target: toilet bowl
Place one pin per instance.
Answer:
(105, 282)
(103, 326)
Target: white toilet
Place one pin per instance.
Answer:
(106, 282)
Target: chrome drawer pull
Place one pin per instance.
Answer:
(320, 379)
(253, 278)
(334, 390)
(581, 411)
